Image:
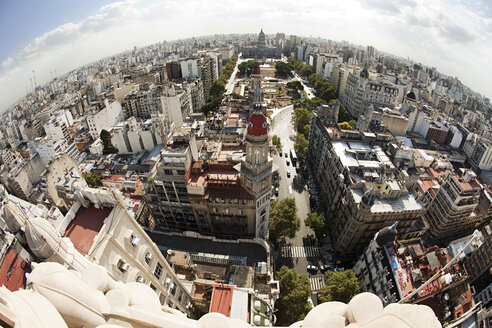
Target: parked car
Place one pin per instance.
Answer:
(327, 266)
(288, 174)
(276, 191)
(312, 268)
(280, 154)
(286, 154)
(288, 163)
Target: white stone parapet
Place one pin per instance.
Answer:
(58, 297)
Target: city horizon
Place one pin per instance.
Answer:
(436, 35)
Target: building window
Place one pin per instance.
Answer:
(148, 258)
(123, 266)
(158, 271)
(134, 240)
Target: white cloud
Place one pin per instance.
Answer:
(7, 62)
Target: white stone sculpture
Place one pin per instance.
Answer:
(59, 297)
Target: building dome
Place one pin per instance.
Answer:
(261, 36)
(13, 218)
(257, 124)
(41, 237)
(386, 235)
(411, 96)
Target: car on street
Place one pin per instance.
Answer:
(287, 162)
(327, 266)
(338, 269)
(280, 154)
(276, 191)
(312, 268)
(286, 155)
(288, 174)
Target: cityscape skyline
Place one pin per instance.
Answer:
(457, 35)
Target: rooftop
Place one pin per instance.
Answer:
(413, 265)
(222, 299)
(13, 271)
(85, 226)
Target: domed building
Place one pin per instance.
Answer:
(261, 49)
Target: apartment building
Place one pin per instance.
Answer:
(361, 191)
(360, 92)
(452, 212)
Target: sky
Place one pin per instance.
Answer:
(454, 36)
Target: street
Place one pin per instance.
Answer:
(299, 251)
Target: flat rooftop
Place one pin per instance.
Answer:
(405, 202)
(222, 299)
(13, 271)
(85, 226)
(253, 252)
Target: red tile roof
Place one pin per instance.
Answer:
(222, 299)
(13, 271)
(85, 226)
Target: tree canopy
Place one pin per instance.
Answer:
(311, 104)
(295, 85)
(217, 88)
(295, 289)
(343, 114)
(283, 69)
(108, 147)
(284, 221)
(277, 144)
(246, 67)
(93, 180)
(340, 286)
(316, 222)
(301, 145)
(301, 117)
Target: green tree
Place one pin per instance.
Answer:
(283, 69)
(343, 114)
(277, 144)
(246, 67)
(316, 222)
(311, 104)
(295, 85)
(295, 289)
(284, 221)
(305, 71)
(108, 147)
(340, 286)
(301, 117)
(93, 180)
(217, 89)
(301, 145)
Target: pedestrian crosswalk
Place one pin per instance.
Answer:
(300, 251)
(317, 283)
